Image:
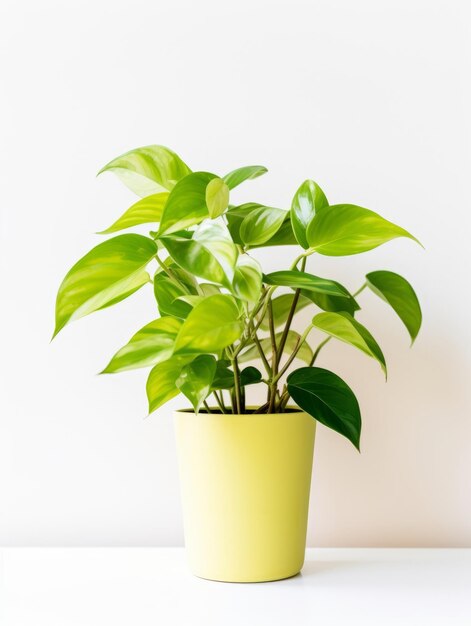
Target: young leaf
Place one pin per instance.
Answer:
(161, 384)
(144, 211)
(305, 353)
(328, 399)
(281, 306)
(308, 200)
(303, 280)
(344, 327)
(238, 176)
(236, 215)
(210, 254)
(186, 204)
(167, 293)
(149, 346)
(196, 378)
(261, 225)
(212, 325)
(283, 237)
(110, 272)
(217, 197)
(247, 283)
(348, 229)
(396, 291)
(148, 170)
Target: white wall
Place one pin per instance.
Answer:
(370, 98)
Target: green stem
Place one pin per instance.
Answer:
(171, 274)
(358, 291)
(284, 336)
(220, 403)
(237, 392)
(299, 343)
(206, 406)
(318, 349)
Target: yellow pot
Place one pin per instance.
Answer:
(245, 483)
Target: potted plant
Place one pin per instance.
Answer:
(245, 470)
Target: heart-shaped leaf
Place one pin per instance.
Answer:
(186, 204)
(326, 397)
(308, 200)
(348, 229)
(260, 225)
(303, 280)
(212, 325)
(217, 197)
(304, 354)
(148, 170)
(149, 346)
(238, 176)
(397, 292)
(210, 254)
(196, 378)
(247, 283)
(224, 378)
(145, 211)
(110, 272)
(344, 327)
(161, 384)
(167, 293)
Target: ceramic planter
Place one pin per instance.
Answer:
(245, 482)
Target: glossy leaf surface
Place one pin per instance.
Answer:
(238, 176)
(347, 229)
(196, 378)
(308, 200)
(145, 211)
(186, 204)
(399, 294)
(303, 280)
(326, 397)
(344, 327)
(247, 283)
(210, 254)
(148, 170)
(212, 325)
(217, 197)
(167, 293)
(261, 225)
(109, 273)
(161, 384)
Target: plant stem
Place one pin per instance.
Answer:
(220, 403)
(171, 274)
(364, 286)
(318, 349)
(206, 406)
(299, 343)
(237, 391)
(284, 336)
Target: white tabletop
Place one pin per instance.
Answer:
(144, 586)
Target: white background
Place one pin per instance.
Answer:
(371, 99)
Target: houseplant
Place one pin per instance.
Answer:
(245, 470)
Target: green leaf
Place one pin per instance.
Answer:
(238, 176)
(110, 272)
(326, 397)
(308, 200)
(348, 229)
(344, 327)
(186, 205)
(161, 384)
(332, 303)
(224, 378)
(261, 225)
(212, 325)
(167, 293)
(196, 378)
(217, 197)
(149, 346)
(281, 306)
(148, 170)
(247, 283)
(303, 280)
(284, 236)
(210, 254)
(235, 216)
(305, 353)
(144, 211)
(397, 292)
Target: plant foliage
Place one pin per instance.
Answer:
(216, 308)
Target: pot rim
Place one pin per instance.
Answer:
(289, 410)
